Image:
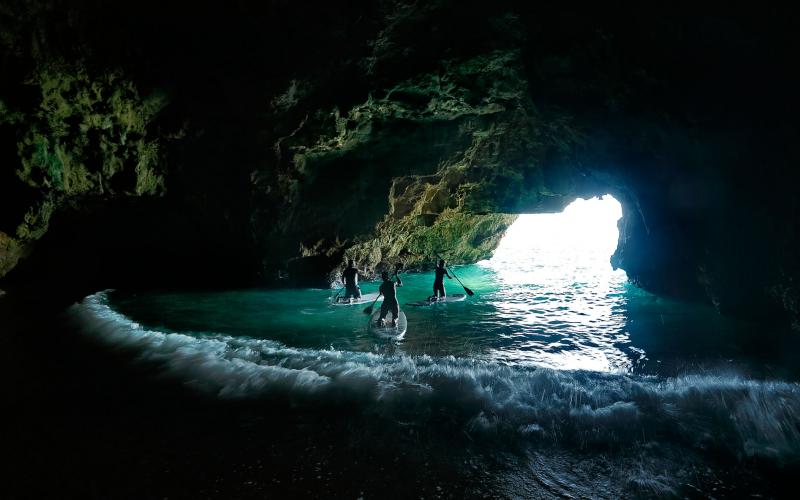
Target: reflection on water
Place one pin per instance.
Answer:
(473, 366)
(548, 297)
(563, 302)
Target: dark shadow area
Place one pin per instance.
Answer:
(89, 422)
(132, 244)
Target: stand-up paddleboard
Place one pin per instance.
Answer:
(457, 297)
(388, 331)
(367, 297)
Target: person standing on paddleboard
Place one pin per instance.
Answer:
(350, 278)
(438, 282)
(390, 303)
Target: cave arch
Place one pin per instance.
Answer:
(446, 131)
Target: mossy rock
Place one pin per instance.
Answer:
(90, 135)
(10, 253)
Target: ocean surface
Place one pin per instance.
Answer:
(555, 349)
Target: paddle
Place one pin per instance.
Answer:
(368, 310)
(337, 295)
(469, 292)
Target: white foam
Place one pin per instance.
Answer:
(748, 417)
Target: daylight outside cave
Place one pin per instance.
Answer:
(578, 241)
(554, 269)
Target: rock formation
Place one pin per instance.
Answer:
(244, 144)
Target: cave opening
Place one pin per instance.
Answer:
(576, 243)
(554, 280)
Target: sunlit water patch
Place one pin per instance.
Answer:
(554, 347)
(547, 298)
(558, 293)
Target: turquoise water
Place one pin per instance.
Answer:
(555, 351)
(610, 327)
(547, 298)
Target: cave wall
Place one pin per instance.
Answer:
(86, 137)
(278, 139)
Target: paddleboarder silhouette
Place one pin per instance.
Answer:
(438, 282)
(389, 290)
(350, 278)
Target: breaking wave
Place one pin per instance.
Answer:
(740, 416)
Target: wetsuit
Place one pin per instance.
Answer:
(438, 283)
(390, 299)
(350, 276)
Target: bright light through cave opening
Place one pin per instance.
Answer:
(576, 243)
(555, 280)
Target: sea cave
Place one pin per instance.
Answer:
(399, 249)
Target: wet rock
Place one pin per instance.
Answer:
(399, 132)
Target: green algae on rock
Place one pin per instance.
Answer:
(457, 207)
(10, 253)
(458, 237)
(89, 136)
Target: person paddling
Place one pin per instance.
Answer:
(438, 282)
(390, 303)
(350, 278)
